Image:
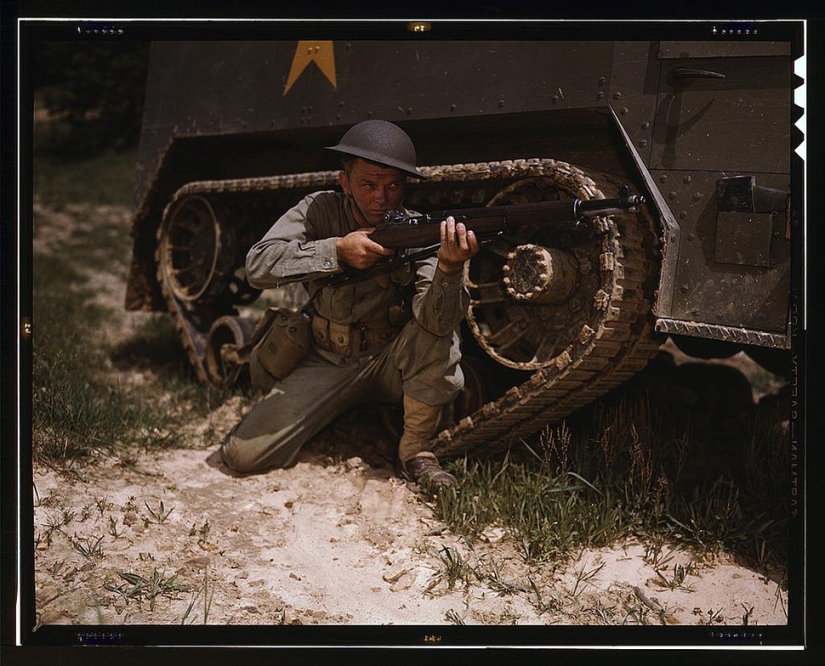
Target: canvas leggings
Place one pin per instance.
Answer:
(416, 362)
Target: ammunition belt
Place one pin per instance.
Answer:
(352, 339)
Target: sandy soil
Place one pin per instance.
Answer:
(175, 538)
(342, 543)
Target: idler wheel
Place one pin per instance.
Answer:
(195, 251)
(224, 343)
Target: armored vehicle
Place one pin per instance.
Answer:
(234, 134)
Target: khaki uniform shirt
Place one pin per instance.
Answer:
(302, 243)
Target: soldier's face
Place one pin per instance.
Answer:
(375, 189)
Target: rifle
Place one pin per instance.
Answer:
(401, 231)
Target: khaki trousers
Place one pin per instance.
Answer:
(417, 363)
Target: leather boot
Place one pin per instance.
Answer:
(417, 462)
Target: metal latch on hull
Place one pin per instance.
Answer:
(751, 222)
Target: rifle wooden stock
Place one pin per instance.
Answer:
(403, 231)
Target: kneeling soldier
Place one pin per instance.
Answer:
(392, 338)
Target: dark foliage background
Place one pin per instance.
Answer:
(94, 91)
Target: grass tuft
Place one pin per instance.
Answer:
(624, 469)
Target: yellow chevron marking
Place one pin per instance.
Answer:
(321, 53)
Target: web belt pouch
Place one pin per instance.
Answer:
(287, 341)
(333, 336)
(350, 339)
(378, 333)
(344, 339)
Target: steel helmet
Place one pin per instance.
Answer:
(382, 142)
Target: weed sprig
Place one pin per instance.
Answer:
(621, 471)
(141, 588)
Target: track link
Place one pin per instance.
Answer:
(610, 349)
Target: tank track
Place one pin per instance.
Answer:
(614, 346)
(192, 320)
(605, 356)
(609, 350)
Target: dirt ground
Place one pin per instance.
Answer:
(176, 538)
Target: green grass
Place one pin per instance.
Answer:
(617, 468)
(156, 343)
(623, 469)
(77, 408)
(109, 178)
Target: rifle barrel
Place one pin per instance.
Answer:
(406, 232)
(400, 231)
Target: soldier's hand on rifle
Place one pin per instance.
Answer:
(357, 250)
(457, 246)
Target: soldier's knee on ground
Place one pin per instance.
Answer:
(230, 454)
